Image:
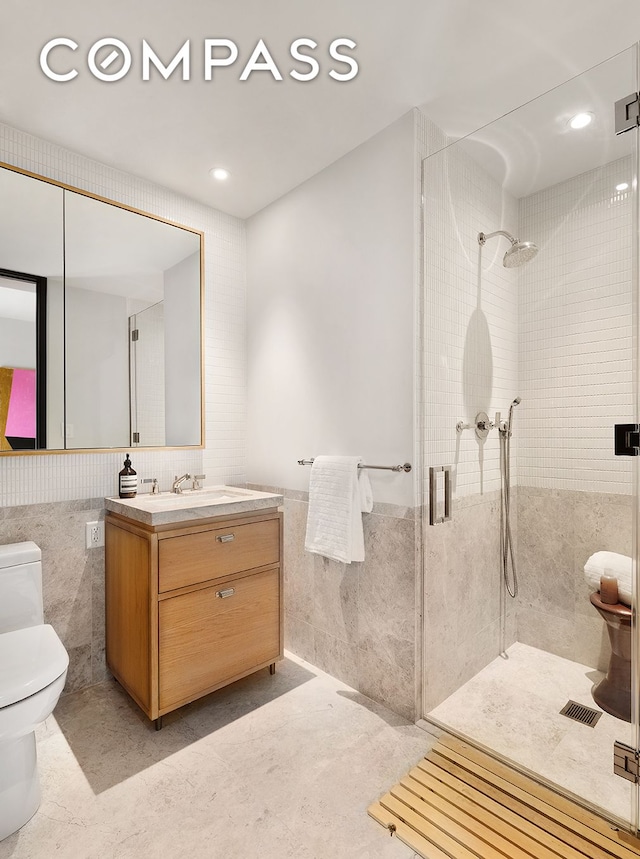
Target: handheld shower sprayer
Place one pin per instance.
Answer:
(506, 541)
(504, 427)
(516, 402)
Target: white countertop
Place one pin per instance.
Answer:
(192, 504)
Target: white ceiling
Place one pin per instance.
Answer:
(466, 63)
(534, 147)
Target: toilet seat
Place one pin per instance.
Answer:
(30, 660)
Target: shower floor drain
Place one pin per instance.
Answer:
(580, 713)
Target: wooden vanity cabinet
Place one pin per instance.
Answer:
(191, 607)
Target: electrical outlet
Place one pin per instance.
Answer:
(94, 534)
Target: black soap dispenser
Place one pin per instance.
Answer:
(128, 481)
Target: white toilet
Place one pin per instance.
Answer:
(33, 670)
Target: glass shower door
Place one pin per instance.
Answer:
(529, 358)
(146, 372)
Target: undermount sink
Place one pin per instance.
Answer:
(167, 507)
(211, 495)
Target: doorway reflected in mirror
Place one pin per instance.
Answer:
(22, 361)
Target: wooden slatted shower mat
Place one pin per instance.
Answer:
(459, 803)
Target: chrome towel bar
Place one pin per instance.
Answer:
(406, 467)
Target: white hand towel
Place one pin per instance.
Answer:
(339, 493)
(620, 565)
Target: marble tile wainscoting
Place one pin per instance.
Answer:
(557, 531)
(72, 578)
(355, 621)
(462, 585)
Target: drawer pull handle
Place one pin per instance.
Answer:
(225, 538)
(227, 592)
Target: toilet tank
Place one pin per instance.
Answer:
(20, 586)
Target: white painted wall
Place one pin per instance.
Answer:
(182, 352)
(97, 361)
(146, 371)
(330, 282)
(17, 343)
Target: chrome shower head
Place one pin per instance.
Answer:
(518, 254)
(516, 402)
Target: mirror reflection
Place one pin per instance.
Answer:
(119, 265)
(22, 361)
(32, 330)
(113, 356)
(147, 376)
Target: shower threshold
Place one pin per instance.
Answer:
(511, 709)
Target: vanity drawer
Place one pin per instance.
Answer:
(194, 558)
(214, 634)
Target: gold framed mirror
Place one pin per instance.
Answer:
(117, 356)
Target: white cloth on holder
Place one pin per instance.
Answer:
(620, 565)
(339, 492)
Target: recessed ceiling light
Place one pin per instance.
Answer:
(580, 120)
(622, 186)
(219, 173)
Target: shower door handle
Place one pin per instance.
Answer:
(434, 519)
(626, 439)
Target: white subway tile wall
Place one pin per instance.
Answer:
(46, 478)
(557, 331)
(470, 357)
(575, 324)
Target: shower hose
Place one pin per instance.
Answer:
(506, 541)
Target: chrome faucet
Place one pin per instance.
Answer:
(155, 489)
(177, 483)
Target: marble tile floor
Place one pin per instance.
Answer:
(513, 707)
(280, 767)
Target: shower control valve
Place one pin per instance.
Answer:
(483, 425)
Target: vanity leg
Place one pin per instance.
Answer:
(158, 723)
(272, 668)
